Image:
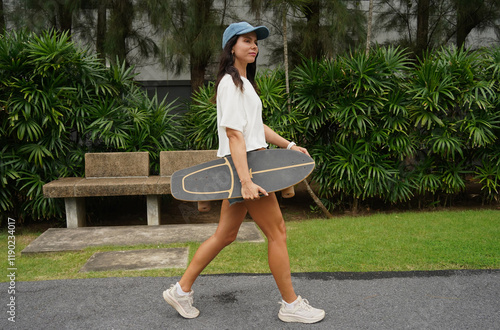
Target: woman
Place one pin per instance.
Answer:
(240, 128)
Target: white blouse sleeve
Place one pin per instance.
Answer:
(232, 106)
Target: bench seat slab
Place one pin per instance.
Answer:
(101, 187)
(64, 187)
(110, 187)
(163, 185)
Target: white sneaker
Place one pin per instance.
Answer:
(182, 304)
(302, 312)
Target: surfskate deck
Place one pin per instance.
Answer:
(272, 169)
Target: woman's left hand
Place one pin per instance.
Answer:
(300, 149)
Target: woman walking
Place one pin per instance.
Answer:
(240, 129)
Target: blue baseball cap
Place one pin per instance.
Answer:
(237, 29)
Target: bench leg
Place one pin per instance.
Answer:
(75, 212)
(153, 205)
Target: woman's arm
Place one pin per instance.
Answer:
(274, 138)
(249, 190)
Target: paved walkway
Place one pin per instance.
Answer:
(406, 300)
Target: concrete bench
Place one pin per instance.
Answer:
(122, 174)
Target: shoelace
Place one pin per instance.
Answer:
(305, 304)
(190, 299)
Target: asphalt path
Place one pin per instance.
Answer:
(401, 300)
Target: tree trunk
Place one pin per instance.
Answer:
(199, 61)
(312, 47)
(65, 15)
(317, 200)
(122, 15)
(197, 77)
(467, 19)
(369, 28)
(422, 27)
(101, 30)
(2, 18)
(285, 57)
(355, 205)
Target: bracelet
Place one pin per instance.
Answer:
(290, 145)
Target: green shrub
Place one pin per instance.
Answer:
(456, 123)
(357, 124)
(59, 102)
(200, 122)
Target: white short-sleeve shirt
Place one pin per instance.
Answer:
(241, 111)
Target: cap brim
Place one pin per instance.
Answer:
(262, 32)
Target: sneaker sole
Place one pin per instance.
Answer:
(295, 318)
(172, 302)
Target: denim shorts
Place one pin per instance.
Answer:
(235, 200)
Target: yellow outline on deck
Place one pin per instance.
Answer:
(230, 190)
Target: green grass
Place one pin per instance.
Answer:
(384, 242)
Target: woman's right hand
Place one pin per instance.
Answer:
(251, 191)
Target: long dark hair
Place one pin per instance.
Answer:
(226, 66)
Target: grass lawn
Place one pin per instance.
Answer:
(383, 242)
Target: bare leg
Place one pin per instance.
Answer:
(227, 230)
(267, 215)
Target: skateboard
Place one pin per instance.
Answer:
(272, 169)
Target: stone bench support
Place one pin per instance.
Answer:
(154, 209)
(75, 212)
